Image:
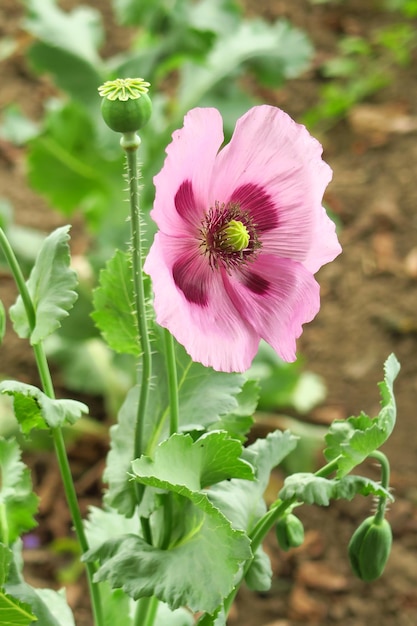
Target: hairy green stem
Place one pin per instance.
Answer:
(130, 143)
(172, 382)
(58, 439)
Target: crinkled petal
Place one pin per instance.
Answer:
(276, 296)
(186, 174)
(325, 245)
(190, 300)
(270, 151)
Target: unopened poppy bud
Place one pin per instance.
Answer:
(369, 548)
(126, 106)
(289, 532)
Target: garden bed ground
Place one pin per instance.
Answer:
(369, 309)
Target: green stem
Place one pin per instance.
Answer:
(4, 525)
(130, 143)
(172, 382)
(48, 388)
(275, 512)
(152, 610)
(385, 477)
(265, 524)
(146, 609)
(141, 611)
(72, 500)
(18, 277)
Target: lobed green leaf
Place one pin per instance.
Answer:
(51, 287)
(35, 410)
(13, 612)
(66, 45)
(113, 305)
(313, 489)
(67, 166)
(208, 400)
(352, 440)
(180, 461)
(45, 606)
(18, 503)
(197, 571)
(278, 45)
(196, 564)
(259, 575)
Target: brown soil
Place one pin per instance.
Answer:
(369, 298)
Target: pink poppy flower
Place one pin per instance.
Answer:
(241, 233)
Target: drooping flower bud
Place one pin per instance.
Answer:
(126, 106)
(369, 548)
(289, 532)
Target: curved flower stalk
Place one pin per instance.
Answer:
(241, 233)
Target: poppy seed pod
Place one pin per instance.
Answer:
(126, 106)
(369, 548)
(126, 116)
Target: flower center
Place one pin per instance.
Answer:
(228, 236)
(236, 237)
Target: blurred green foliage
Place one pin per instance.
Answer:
(364, 65)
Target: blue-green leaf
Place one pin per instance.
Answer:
(6, 556)
(242, 501)
(34, 409)
(13, 612)
(104, 524)
(180, 461)
(352, 440)
(113, 305)
(312, 489)
(45, 606)
(208, 400)
(197, 563)
(284, 46)
(51, 287)
(259, 575)
(198, 570)
(240, 420)
(18, 503)
(66, 46)
(57, 605)
(68, 167)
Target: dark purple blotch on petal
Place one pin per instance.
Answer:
(184, 200)
(256, 283)
(191, 285)
(259, 204)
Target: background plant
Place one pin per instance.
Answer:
(363, 66)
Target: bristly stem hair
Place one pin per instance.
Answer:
(130, 142)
